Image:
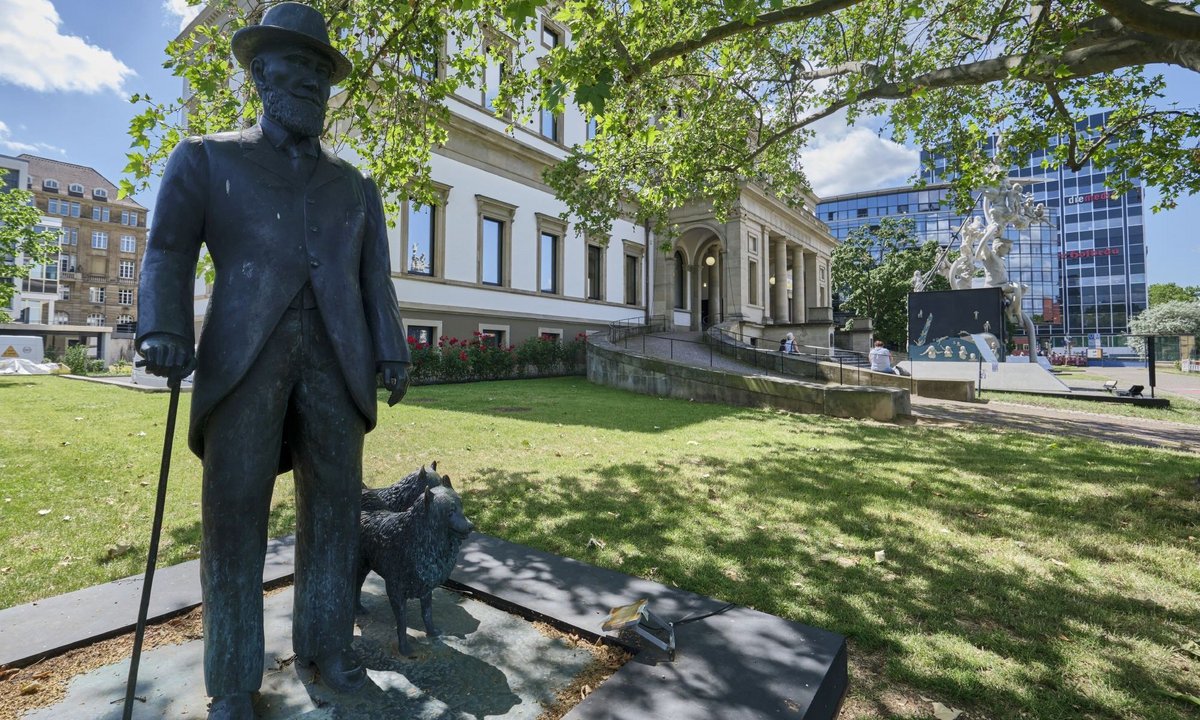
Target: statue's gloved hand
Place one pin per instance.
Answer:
(167, 355)
(395, 378)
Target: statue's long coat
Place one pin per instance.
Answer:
(268, 235)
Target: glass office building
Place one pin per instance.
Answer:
(1086, 270)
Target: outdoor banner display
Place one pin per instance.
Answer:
(941, 323)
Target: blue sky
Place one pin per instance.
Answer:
(67, 68)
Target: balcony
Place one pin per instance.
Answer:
(74, 276)
(95, 277)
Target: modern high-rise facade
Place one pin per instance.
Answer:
(1086, 269)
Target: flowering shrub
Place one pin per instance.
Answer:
(480, 358)
(489, 360)
(539, 353)
(426, 360)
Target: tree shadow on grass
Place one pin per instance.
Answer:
(550, 401)
(1026, 579)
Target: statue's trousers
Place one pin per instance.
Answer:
(293, 393)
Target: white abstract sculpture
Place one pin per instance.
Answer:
(983, 244)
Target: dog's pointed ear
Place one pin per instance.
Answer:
(446, 481)
(423, 476)
(428, 498)
(434, 464)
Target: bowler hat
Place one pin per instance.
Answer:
(290, 23)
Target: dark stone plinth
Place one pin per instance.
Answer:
(739, 665)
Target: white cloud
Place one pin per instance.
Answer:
(36, 55)
(181, 10)
(15, 147)
(855, 158)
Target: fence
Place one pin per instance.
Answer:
(853, 368)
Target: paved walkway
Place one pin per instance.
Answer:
(686, 347)
(1066, 423)
(1186, 385)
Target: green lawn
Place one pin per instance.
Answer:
(1024, 577)
(1182, 410)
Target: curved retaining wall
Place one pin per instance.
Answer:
(607, 365)
(960, 390)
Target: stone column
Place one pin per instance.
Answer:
(779, 309)
(695, 275)
(715, 289)
(764, 273)
(810, 279)
(799, 309)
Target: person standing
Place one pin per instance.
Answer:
(302, 318)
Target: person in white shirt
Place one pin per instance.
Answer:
(881, 358)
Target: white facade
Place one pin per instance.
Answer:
(35, 297)
(490, 176)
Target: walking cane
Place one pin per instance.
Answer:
(173, 381)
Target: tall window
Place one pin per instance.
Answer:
(76, 208)
(99, 240)
(128, 244)
(70, 236)
(551, 125)
(52, 206)
(591, 129)
(548, 263)
(124, 320)
(61, 318)
(96, 294)
(752, 283)
(95, 319)
(125, 296)
(126, 270)
(680, 282)
(595, 272)
(632, 263)
(493, 251)
(64, 291)
(495, 70)
(66, 263)
(420, 239)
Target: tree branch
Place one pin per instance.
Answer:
(1072, 135)
(1157, 17)
(1105, 56)
(817, 8)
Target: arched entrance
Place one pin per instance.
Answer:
(704, 285)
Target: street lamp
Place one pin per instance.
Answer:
(710, 261)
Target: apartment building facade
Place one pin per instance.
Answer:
(89, 294)
(499, 254)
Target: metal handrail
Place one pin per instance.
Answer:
(824, 354)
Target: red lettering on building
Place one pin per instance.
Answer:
(1077, 254)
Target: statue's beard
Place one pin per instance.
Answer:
(297, 116)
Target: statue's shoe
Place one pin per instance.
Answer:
(231, 707)
(340, 671)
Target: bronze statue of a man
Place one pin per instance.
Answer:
(302, 317)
